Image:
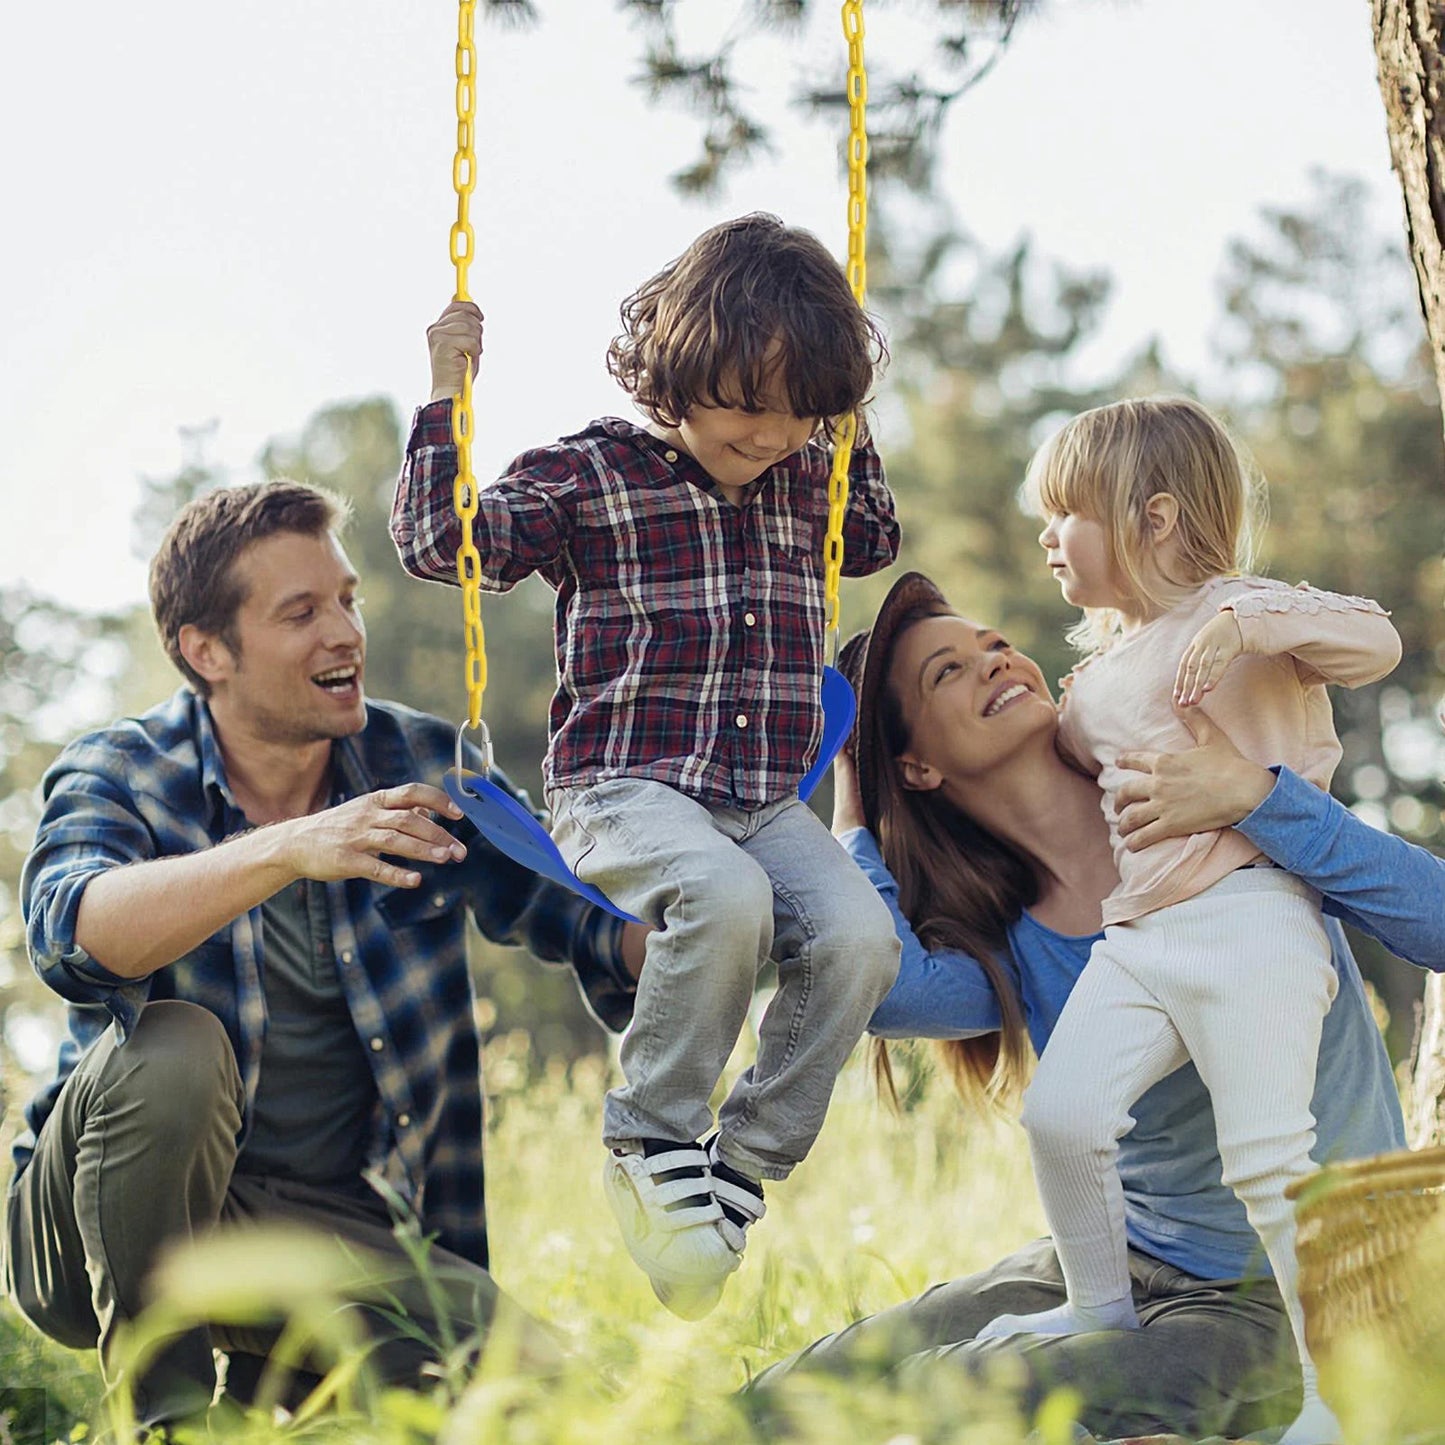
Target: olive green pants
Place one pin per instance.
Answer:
(140, 1153)
(1211, 1357)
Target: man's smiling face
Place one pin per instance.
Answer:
(296, 674)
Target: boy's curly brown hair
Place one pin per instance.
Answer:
(751, 301)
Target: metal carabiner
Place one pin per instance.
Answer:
(484, 747)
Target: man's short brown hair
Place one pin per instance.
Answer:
(710, 320)
(193, 577)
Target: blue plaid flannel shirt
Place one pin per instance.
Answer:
(155, 786)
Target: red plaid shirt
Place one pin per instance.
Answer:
(689, 631)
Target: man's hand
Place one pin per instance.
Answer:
(348, 841)
(1212, 649)
(138, 919)
(455, 342)
(1211, 786)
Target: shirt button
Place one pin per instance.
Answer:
(750, 618)
(741, 719)
(377, 1046)
(440, 901)
(346, 956)
(403, 1120)
(670, 455)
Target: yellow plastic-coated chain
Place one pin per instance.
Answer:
(464, 491)
(847, 430)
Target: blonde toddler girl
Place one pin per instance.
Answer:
(1210, 954)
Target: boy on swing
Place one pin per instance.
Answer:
(687, 557)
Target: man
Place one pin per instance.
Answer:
(255, 910)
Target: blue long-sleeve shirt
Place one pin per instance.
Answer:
(1176, 1205)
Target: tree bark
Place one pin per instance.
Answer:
(1408, 36)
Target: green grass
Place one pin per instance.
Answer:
(882, 1208)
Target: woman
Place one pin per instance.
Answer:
(994, 857)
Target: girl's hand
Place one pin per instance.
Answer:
(454, 340)
(847, 796)
(1214, 647)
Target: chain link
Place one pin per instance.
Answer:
(463, 244)
(847, 430)
(463, 240)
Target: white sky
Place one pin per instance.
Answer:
(239, 212)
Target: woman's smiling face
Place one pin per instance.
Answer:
(968, 699)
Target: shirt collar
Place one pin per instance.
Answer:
(224, 816)
(350, 772)
(351, 776)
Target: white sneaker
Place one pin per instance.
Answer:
(662, 1195)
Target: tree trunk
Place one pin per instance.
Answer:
(1408, 36)
(1426, 1120)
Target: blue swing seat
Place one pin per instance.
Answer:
(840, 708)
(511, 829)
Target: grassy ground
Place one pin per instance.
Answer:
(882, 1208)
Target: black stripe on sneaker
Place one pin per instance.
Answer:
(653, 1147)
(730, 1175)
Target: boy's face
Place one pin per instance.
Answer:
(734, 446)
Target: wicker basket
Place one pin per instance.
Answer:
(1371, 1247)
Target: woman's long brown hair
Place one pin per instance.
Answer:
(960, 887)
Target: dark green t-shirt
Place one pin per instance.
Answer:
(314, 1101)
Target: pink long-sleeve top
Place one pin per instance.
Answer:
(1271, 703)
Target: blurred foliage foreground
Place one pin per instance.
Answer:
(884, 1207)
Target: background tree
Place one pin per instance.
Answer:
(906, 103)
(58, 673)
(1408, 39)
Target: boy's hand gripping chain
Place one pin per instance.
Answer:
(847, 431)
(464, 489)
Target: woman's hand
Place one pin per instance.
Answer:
(847, 796)
(1210, 652)
(1211, 786)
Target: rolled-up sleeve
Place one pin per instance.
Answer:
(89, 825)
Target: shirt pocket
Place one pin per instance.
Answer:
(795, 579)
(425, 906)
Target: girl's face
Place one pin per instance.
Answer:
(969, 701)
(1078, 556)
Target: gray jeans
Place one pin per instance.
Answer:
(139, 1153)
(1211, 1356)
(728, 888)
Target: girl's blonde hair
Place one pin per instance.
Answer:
(1107, 463)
